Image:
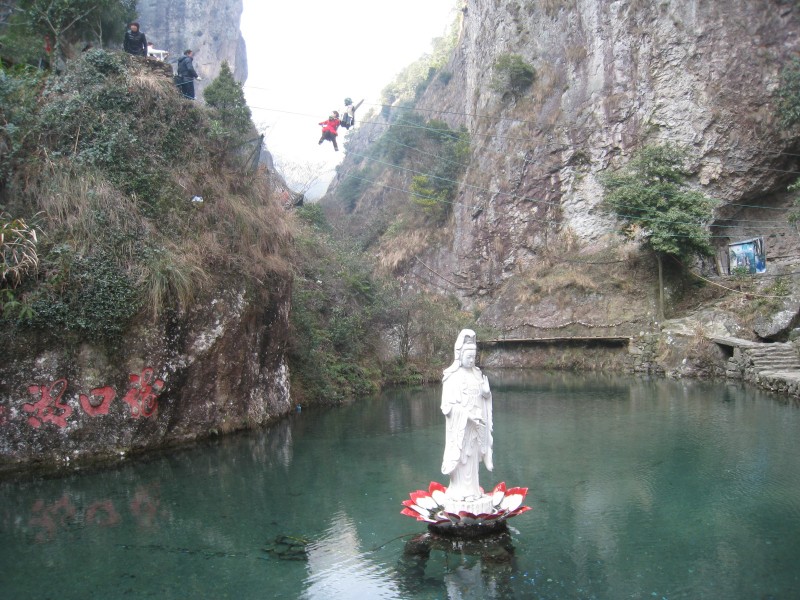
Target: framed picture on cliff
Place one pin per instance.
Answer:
(748, 256)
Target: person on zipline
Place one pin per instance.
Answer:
(349, 116)
(330, 129)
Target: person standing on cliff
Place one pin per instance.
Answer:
(186, 75)
(135, 41)
(330, 129)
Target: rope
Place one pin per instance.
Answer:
(439, 275)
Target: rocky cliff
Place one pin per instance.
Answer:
(209, 28)
(219, 368)
(527, 243)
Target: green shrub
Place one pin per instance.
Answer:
(789, 94)
(19, 91)
(93, 295)
(512, 75)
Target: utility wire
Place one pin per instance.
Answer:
(528, 198)
(454, 203)
(454, 135)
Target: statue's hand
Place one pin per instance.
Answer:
(485, 391)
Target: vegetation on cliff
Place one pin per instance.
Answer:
(650, 197)
(141, 198)
(353, 330)
(44, 31)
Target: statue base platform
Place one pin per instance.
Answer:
(468, 530)
(475, 506)
(465, 517)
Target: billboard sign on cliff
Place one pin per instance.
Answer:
(748, 255)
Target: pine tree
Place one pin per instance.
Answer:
(650, 193)
(226, 95)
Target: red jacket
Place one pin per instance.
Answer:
(331, 125)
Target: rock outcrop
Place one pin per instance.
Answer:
(611, 76)
(217, 369)
(209, 28)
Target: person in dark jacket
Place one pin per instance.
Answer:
(135, 42)
(186, 74)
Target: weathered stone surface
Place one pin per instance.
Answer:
(217, 369)
(778, 325)
(210, 28)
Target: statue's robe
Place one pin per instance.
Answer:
(466, 443)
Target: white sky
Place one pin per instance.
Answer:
(307, 56)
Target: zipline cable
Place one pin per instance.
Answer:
(454, 135)
(535, 200)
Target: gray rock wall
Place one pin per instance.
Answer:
(209, 27)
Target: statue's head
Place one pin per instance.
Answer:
(466, 348)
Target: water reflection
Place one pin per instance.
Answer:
(339, 568)
(461, 569)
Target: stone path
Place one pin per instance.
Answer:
(775, 366)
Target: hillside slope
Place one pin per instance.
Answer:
(158, 308)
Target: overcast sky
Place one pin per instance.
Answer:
(307, 56)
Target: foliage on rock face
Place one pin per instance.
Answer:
(110, 161)
(789, 94)
(511, 74)
(430, 151)
(65, 23)
(412, 81)
(341, 312)
(650, 193)
(337, 308)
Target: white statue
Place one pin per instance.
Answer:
(467, 404)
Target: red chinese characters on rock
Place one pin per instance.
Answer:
(49, 408)
(98, 401)
(142, 396)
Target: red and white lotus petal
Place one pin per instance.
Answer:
(499, 493)
(513, 499)
(425, 501)
(428, 506)
(422, 512)
(511, 502)
(410, 513)
(437, 492)
(467, 518)
(519, 511)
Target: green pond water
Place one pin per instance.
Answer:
(640, 489)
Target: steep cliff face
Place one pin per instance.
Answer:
(210, 28)
(611, 76)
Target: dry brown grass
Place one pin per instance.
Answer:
(575, 54)
(141, 78)
(399, 250)
(549, 79)
(240, 228)
(80, 205)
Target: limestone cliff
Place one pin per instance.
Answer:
(210, 28)
(610, 77)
